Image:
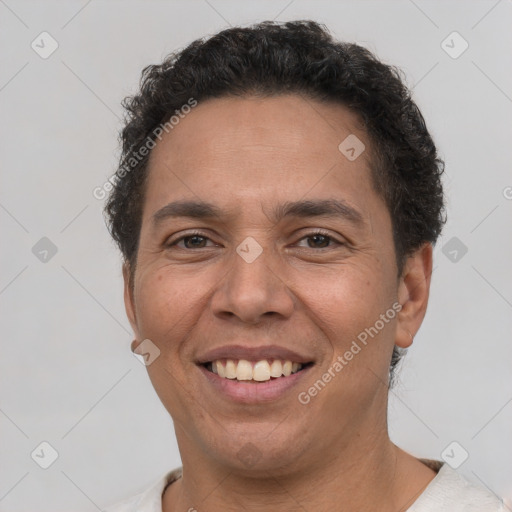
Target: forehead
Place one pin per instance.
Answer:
(225, 124)
(245, 150)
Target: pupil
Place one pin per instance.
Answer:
(320, 236)
(195, 237)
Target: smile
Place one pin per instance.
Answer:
(253, 371)
(253, 374)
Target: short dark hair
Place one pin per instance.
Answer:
(301, 57)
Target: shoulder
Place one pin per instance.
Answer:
(149, 500)
(452, 492)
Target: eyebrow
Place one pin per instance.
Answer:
(302, 209)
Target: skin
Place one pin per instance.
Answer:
(315, 296)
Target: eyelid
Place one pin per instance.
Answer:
(323, 232)
(308, 234)
(169, 243)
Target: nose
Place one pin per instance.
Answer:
(253, 289)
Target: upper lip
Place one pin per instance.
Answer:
(253, 354)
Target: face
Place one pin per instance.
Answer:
(291, 258)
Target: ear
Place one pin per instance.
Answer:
(129, 302)
(413, 293)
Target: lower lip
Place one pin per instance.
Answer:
(253, 392)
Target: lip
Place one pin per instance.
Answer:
(253, 354)
(253, 392)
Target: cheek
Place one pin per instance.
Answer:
(165, 303)
(344, 299)
(168, 303)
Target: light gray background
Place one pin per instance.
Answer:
(67, 374)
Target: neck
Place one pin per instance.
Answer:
(367, 473)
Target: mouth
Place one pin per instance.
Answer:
(256, 372)
(253, 382)
(252, 374)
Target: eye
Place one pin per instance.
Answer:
(321, 240)
(197, 240)
(191, 241)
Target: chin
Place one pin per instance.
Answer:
(254, 449)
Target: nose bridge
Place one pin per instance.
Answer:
(252, 287)
(251, 265)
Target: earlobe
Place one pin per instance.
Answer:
(413, 293)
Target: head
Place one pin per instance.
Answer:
(312, 159)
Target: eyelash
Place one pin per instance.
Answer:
(309, 235)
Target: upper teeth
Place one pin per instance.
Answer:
(259, 371)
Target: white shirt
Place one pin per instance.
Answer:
(448, 491)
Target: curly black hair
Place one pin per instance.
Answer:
(269, 59)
